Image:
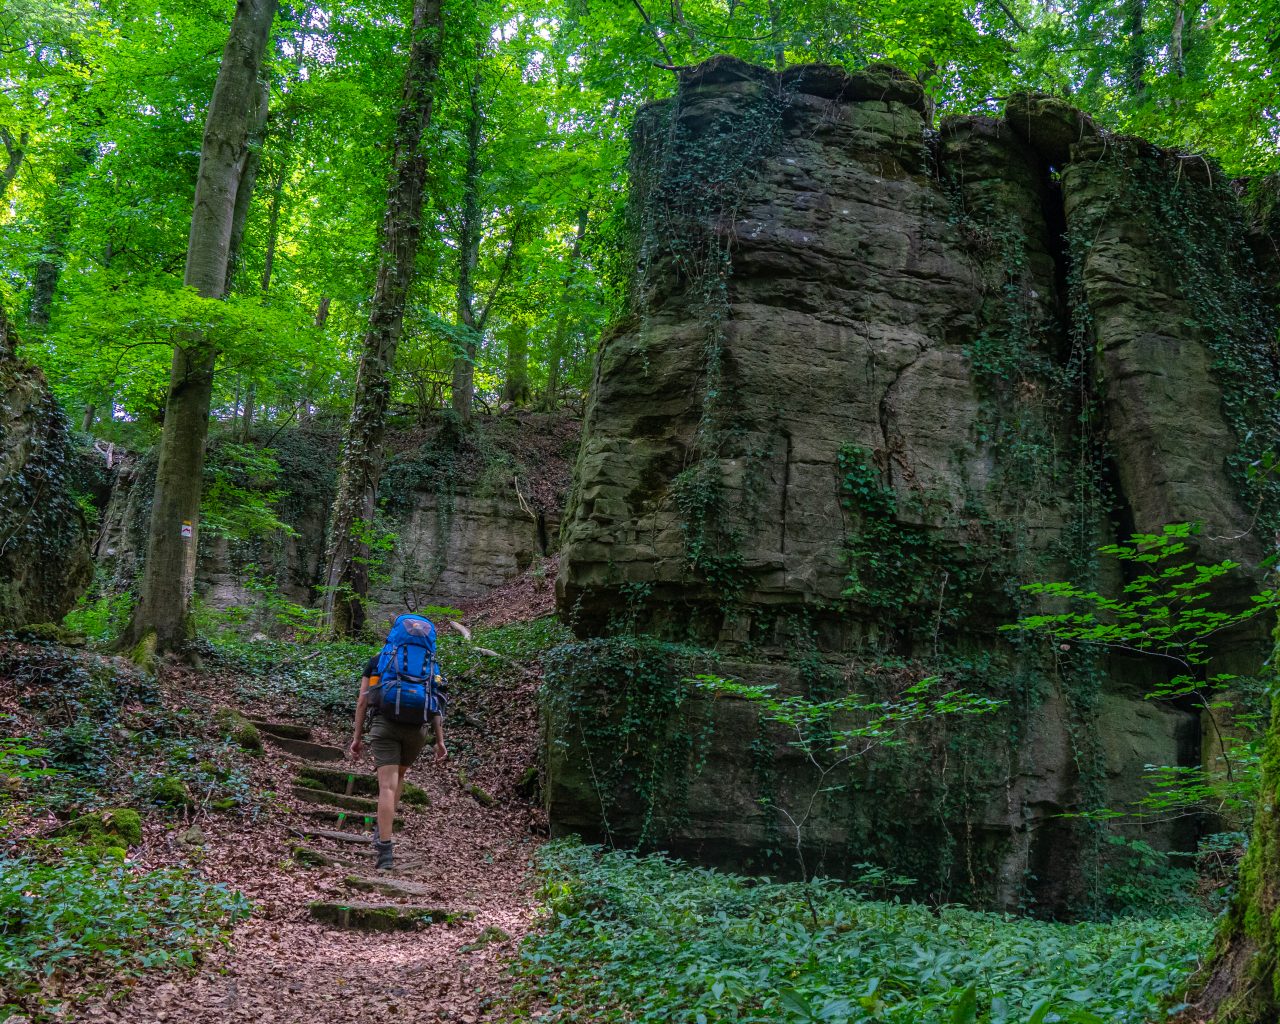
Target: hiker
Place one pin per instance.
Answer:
(403, 689)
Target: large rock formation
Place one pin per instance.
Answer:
(44, 540)
(875, 377)
(463, 514)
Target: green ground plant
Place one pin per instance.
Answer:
(79, 915)
(648, 939)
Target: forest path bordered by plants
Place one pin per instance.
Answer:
(283, 966)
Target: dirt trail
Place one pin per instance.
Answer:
(282, 965)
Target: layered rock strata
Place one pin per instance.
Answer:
(875, 377)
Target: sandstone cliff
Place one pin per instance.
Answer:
(876, 376)
(44, 541)
(464, 515)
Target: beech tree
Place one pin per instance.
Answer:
(347, 575)
(167, 584)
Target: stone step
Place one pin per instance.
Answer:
(359, 804)
(283, 730)
(403, 888)
(334, 836)
(341, 819)
(381, 917)
(305, 749)
(338, 780)
(310, 857)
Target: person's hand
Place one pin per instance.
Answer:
(356, 749)
(442, 753)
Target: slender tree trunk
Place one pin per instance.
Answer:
(347, 572)
(1175, 39)
(246, 420)
(8, 339)
(464, 364)
(48, 268)
(248, 178)
(1241, 983)
(15, 152)
(559, 340)
(322, 311)
(1137, 10)
(86, 422)
(273, 225)
(515, 388)
(163, 610)
(775, 35)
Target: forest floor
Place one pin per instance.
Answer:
(281, 966)
(468, 853)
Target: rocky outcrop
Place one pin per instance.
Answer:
(873, 379)
(462, 515)
(44, 542)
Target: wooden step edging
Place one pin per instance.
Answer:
(359, 804)
(353, 783)
(281, 730)
(381, 917)
(305, 749)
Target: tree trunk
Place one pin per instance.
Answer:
(8, 339)
(246, 420)
(346, 584)
(515, 389)
(164, 605)
(1175, 39)
(1137, 47)
(1241, 983)
(248, 178)
(273, 226)
(15, 152)
(322, 310)
(558, 342)
(87, 421)
(48, 268)
(464, 364)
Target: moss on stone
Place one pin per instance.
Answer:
(489, 935)
(414, 796)
(169, 792)
(239, 729)
(116, 827)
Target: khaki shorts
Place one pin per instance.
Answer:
(396, 743)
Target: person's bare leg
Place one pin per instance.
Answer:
(390, 778)
(400, 784)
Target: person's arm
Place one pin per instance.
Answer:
(362, 702)
(441, 751)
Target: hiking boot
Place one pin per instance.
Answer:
(385, 859)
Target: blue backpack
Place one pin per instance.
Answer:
(409, 688)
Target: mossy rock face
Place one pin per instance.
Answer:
(170, 792)
(116, 828)
(45, 559)
(48, 632)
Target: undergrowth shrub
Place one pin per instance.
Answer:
(647, 939)
(78, 917)
(107, 734)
